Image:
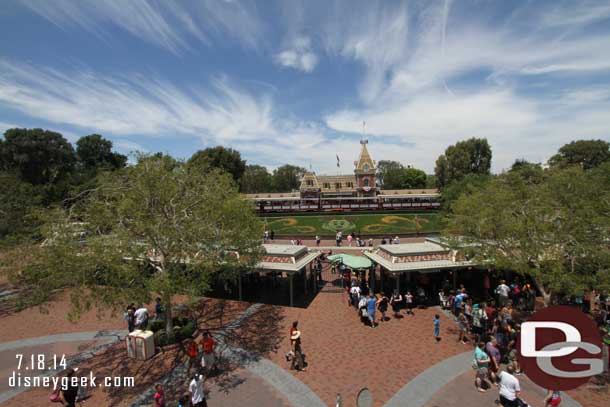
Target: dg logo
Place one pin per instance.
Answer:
(560, 348)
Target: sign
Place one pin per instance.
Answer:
(560, 348)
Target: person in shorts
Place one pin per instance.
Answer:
(552, 399)
(437, 328)
(410, 303)
(510, 390)
(481, 365)
(463, 325)
(207, 345)
(371, 304)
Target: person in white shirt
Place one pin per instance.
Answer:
(141, 316)
(502, 290)
(196, 391)
(509, 388)
(355, 293)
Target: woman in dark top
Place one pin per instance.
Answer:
(395, 301)
(382, 305)
(71, 391)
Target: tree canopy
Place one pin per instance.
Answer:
(37, 156)
(95, 151)
(555, 231)
(222, 158)
(157, 228)
(586, 153)
(256, 179)
(393, 175)
(472, 156)
(287, 178)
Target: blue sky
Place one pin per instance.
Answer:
(292, 81)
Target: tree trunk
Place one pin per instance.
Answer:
(546, 295)
(167, 304)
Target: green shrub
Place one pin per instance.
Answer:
(187, 331)
(156, 325)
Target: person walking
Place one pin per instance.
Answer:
(159, 396)
(382, 306)
(141, 316)
(410, 303)
(370, 308)
(70, 392)
(395, 302)
(272, 235)
(130, 318)
(437, 328)
(207, 345)
(552, 399)
(481, 364)
(298, 362)
(317, 240)
(463, 324)
(510, 390)
(349, 240)
(503, 291)
(197, 392)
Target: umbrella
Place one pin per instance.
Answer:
(351, 261)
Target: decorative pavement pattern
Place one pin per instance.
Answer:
(399, 361)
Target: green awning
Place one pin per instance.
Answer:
(351, 261)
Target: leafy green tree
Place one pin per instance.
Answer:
(530, 172)
(17, 199)
(586, 153)
(431, 181)
(225, 159)
(472, 156)
(467, 185)
(94, 151)
(555, 232)
(412, 178)
(156, 228)
(256, 179)
(38, 156)
(287, 178)
(389, 174)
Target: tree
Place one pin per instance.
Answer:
(17, 199)
(38, 156)
(472, 156)
(555, 232)
(467, 185)
(586, 153)
(530, 172)
(287, 178)
(412, 178)
(94, 151)
(389, 174)
(256, 179)
(156, 228)
(225, 159)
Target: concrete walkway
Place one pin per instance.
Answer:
(107, 338)
(419, 391)
(293, 389)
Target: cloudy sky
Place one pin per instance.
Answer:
(292, 81)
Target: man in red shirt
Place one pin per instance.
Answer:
(192, 351)
(208, 344)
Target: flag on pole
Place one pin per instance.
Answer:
(338, 160)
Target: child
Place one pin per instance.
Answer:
(183, 401)
(437, 328)
(159, 396)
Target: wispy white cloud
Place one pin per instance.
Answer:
(134, 104)
(167, 24)
(128, 146)
(298, 55)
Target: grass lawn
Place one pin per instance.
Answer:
(366, 224)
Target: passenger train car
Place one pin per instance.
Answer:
(293, 202)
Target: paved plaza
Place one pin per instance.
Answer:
(398, 362)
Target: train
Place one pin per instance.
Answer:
(290, 203)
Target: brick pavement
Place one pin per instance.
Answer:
(345, 356)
